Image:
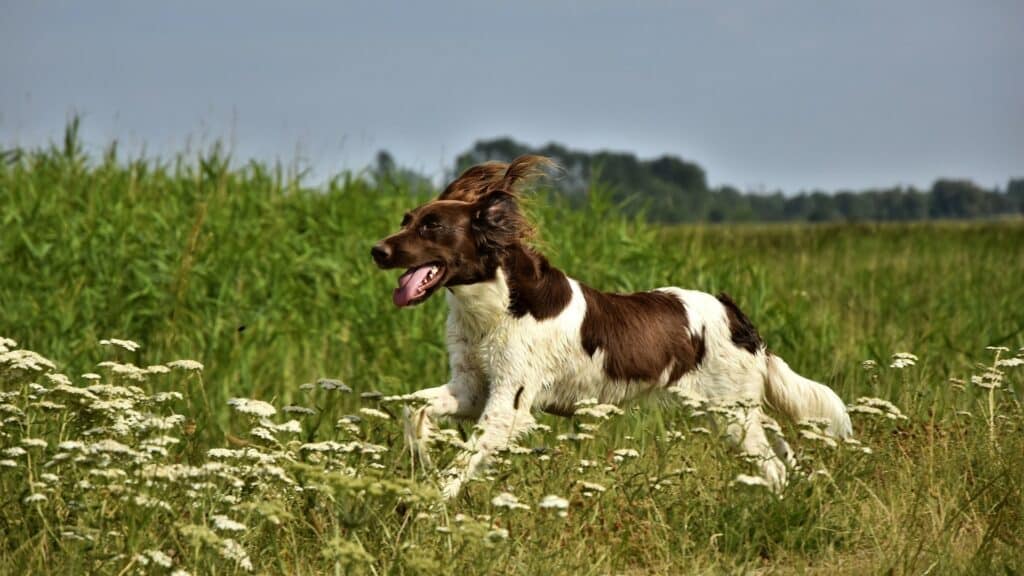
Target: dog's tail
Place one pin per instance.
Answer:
(801, 398)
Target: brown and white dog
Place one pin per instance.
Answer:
(523, 336)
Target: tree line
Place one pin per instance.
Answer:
(670, 189)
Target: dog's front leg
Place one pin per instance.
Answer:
(506, 416)
(460, 398)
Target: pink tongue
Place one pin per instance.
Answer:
(409, 286)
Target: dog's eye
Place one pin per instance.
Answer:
(430, 224)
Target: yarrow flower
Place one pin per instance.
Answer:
(26, 360)
(374, 413)
(553, 502)
(187, 365)
(876, 407)
(159, 558)
(252, 407)
(225, 524)
(902, 360)
(623, 453)
(330, 384)
(128, 345)
(508, 500)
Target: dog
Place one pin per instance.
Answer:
(523, 336)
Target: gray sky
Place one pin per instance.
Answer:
(764, 95)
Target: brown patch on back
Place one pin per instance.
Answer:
(641, 334)
(744, 335)
(536, 288)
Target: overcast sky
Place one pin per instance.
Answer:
(766, 95)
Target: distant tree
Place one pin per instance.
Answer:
(1015, 194)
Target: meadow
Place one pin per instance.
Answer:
(195, 357)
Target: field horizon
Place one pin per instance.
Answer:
(279, 455)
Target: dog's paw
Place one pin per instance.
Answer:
(451, 488)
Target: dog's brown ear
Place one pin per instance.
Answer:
(475, 182)
(497, 221)
(482, 179)
(526, 168)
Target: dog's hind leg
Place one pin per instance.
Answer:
(746, 430)
(774, 433)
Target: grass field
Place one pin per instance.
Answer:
(270, 286)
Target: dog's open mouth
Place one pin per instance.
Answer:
(416, 284)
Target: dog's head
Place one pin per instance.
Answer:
(459, 238)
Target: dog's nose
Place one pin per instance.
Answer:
(380, 252)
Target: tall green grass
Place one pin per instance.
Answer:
(269, 283)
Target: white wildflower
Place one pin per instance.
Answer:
(126, 344)
(59, 379)
(157, 369)
(371, 395)
(252, 407)
(109, 474)
(997, 348)
(298, 410)
(129, 370)
(34, 443)
(497, 534)
(374, 413)
(161, 397)
(49, 478)
(232, 550)
(159, 558)
(187, 365)
(7, 344)
(7, 463)
(150, 502)
(600, 411)
(553, 502)
(71, 445)
(1010, 362)
(225, 524)
(623, 453)
(91, 376)
(590, 486)
(47, 405)
(14, 452)
(222, 453)
(161, 441)
(903, 360)
(869, 365)
(989, 380)
(819, 437)
(508, 500)
(331, 384)
(26, 360)
(263, 434)
(866, 405)
(35, 497)
(108, 446)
